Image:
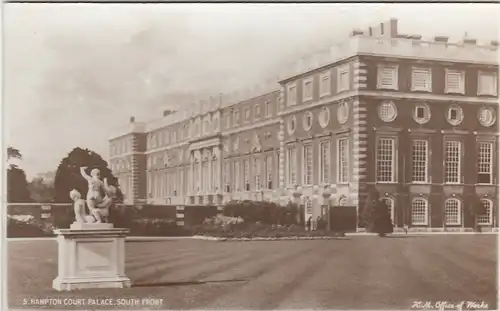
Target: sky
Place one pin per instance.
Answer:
(73, 73)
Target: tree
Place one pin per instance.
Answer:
(376, 215)
(17, 185)
(40, 190)
(68, 175)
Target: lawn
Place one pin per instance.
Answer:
(361, 272)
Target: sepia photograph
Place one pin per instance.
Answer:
(250, 156)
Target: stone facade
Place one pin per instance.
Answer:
(385, 111)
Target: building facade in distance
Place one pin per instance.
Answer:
(414, 119)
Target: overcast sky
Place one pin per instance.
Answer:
(75, 72)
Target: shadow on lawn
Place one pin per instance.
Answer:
(185, 283)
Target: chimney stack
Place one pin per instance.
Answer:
(441, 39)
(132, 119)
(356, 32)
(167, 112)
(494, 43)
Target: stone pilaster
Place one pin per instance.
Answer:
(360, 75)
(359, 153)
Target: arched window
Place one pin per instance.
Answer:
(419, 212)
(343, 201)
(487, 218)
(452, 212)
(309, 205)
(390, 203)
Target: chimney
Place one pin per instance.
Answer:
(494, 43)
(132, 119)
(414, 37)
(356, 32)
(441, 39)
(470, 41)
(393, 24)
(167, 112)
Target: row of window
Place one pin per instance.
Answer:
(120, 146)
(119, 166)
(387, 78)
(259, 112)
(325, 85)
(167, 183)
(324, 168)
(247, 174)
(342, 113)
(421, 80)
(386, 161)
(388, 112)
(452, 212)
(167, 136)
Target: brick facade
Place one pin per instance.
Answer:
(372, 117)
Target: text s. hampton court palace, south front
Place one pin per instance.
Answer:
(415, 119)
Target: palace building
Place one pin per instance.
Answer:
(379, 110)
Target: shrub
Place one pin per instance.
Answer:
(262, 211)
(27, 226)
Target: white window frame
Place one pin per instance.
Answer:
(461, 87)
(325, 76)
(395, 76)
(458, 222)
(427, 110)
(236, 117)
(459, 112)
(289, 100)
(459, 169)
(325, 162)
(426, 212)
(291, 172)
(429, 82)
(391, 206)
(393, 159)
(426, 161)
(307, 168)
(481, 88)
(306, 97)
(342, 171)
(268, 109)
(344, 69)
(257, 170)
(257, 111)
(490, 164)
(489, 214)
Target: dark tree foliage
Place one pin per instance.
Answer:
(376, 215)
(68, 175)
(17, 186)
(41, 191)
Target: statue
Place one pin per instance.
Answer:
(98, 206)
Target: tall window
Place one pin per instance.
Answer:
(452, 162)
(343, 78)
(309, 206)
(257, 111)
(308, 165)
(487, 83)
(419, 212)
(343, 158)
(455, 81)
(215, 176)
(269, 171)
(237, 179)
(236, 116)
(292, 166)
(485, 163)
(486, 218)
(452, 212)
(307, 92)
(228, 121)
(246, 175)
(387, 77)
(421, 79)
(268, 108)
(292, 95)
(420, 161)
(247, 114)
(386, 160)
(324, 164)
(227, 181)
(256, 173)
(325, 83)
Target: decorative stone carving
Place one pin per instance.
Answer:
(256, 146)
(486, 116)
(324, 117)
(342, 112)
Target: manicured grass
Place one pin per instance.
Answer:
(356, 273)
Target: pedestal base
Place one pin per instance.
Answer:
(91, 256)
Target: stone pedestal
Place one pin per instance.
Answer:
(91, 256)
